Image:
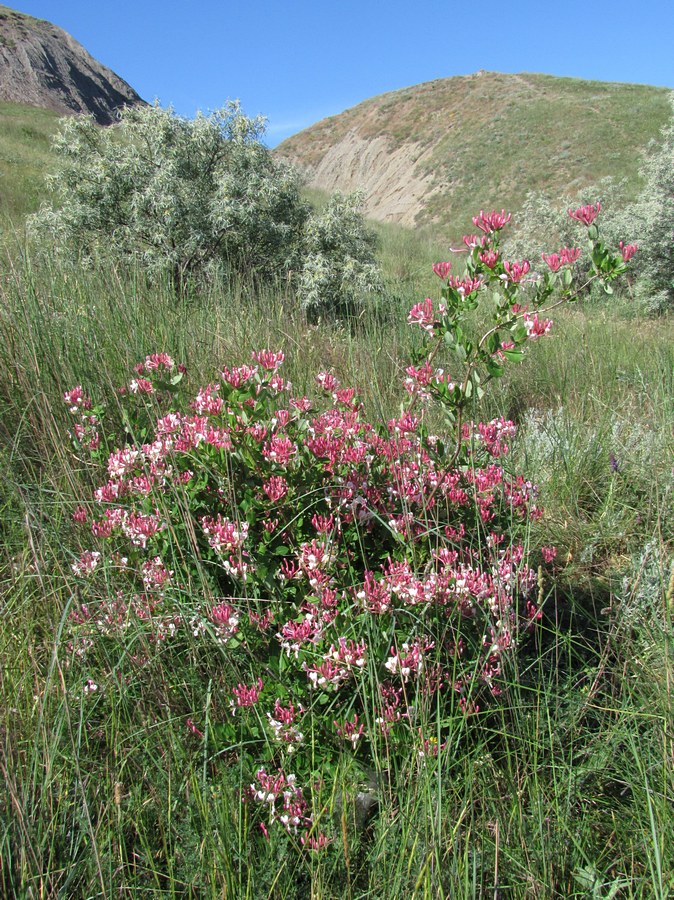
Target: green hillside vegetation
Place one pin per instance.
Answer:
(157, 739)
(25, 157)
(495, 137)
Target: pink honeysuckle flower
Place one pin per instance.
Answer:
(465, 286)
(77, 399)
(238, 375)
(553, 261)
(516, 271)
(491, 222)
(569, 255)
(223, 535)
(536, 327)
(489, 258)
(422, 314)
(350, 730)
(276, 488)
(472, 241)
(585, 214)
(248, 696)
(269, 359)
(327, 381)
(80, 514)
(627, 250)
(442, 269)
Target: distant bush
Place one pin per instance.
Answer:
(654, 213)
(338, 265)
(186, 196)
(648, 222)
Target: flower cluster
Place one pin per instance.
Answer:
(366, 573)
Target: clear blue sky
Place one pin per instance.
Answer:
(299, 61)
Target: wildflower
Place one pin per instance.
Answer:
(515, 271)
(311, 843)
(121, 462)
(269, 359)
(282, 724)
(206, 403)
(473, 240)
(442, 269)
(548, 553)
(489, 258)
(86, 564)
(155, 574)
(141, 386)
(226, 621)
(77, 399)
(465, 286)
(422, 314)
(90, 687)
(80, 514)
(350, 730)
(193, 728)
(238, 376)
(323, 524)
(280, 450)
(569, 255)
(327, 381)
(585, 214)
(553, 261)
(276, 488)
(247, 696)
(627, 250)
(223, 535)
(155, 361)
(536, 327)
(491, 222)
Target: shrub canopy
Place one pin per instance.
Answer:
(185, 196)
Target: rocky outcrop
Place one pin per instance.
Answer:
(42, 65)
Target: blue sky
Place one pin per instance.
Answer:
(297, 62)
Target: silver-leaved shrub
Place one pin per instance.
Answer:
(187, 197)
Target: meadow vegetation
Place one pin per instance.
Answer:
(368, 605)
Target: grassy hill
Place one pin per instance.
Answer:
(481, 140)
(25, 157)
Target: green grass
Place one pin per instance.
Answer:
(563, 790)
(25, 157)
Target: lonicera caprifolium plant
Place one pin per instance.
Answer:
(333, 585)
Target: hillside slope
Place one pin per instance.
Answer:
(43, 66)
(436, 152)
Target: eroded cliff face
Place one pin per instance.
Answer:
(435, 153)
(42, 65)
(395, 188)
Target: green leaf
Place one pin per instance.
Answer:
(493, 342)
(514, 355)
(519, 333)
(494, 368)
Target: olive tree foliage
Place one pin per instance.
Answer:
(339, 267)
(186, 197)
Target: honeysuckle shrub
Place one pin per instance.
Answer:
(185, 198)
(298, 583)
